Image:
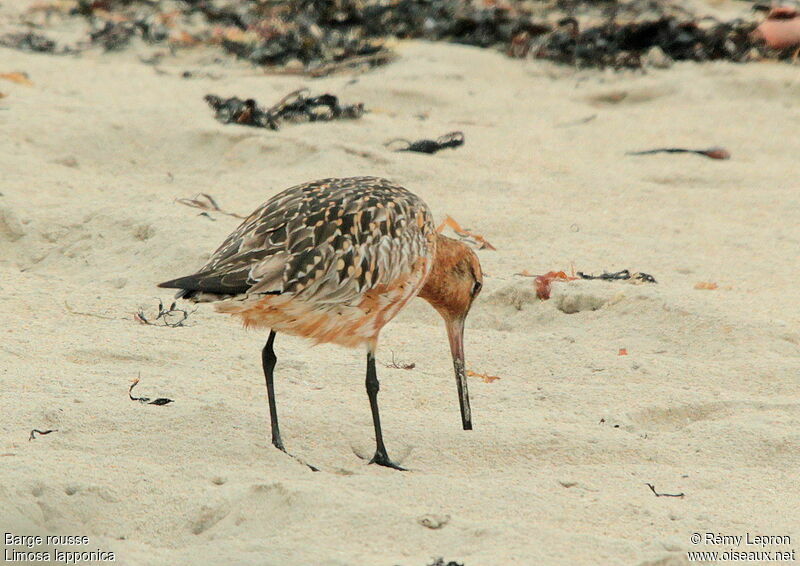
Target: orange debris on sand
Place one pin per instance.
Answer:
(183, 38)
(623, 352)
(463, 233)
(543, 282)
(706, 286)
(781, 29)
(484, 376)
(19, 78)
(717, 153)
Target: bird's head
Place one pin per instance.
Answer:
(454, 282)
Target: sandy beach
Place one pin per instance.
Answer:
(96, 150)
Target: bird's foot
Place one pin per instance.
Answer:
(279, 446)
(306, 464)
(382, 459)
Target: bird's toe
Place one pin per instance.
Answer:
(381, 459)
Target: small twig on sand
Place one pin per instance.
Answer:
(399, 365)
(712, 152)
(36, 431)
(146, 400)
(204, 201)
(653, 489)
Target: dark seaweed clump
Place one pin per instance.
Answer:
(624, 45)
(321, 36)
(297, 106)
(28, 41)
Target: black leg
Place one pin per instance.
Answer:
(268, 360)
(380, 457)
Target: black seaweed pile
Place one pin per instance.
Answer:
(321, 36)
(297, 106)
(451, 140)
(624, 45)
(29, 41)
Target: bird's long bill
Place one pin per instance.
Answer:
(455, 331)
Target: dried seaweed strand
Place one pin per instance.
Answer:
(164, 315)
(449, 140)
(36, 431)
(657, 494)
(620, 275)
(712, 152)
(146, 400)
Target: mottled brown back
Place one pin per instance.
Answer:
(328, 241)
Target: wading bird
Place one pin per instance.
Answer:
(335, 260)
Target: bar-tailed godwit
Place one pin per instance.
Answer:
(335, 260)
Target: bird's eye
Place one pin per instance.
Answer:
(476, 288)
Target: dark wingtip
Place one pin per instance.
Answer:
(219, 283)
(171, 284)
(183, 293)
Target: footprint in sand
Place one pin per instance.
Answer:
(94, 356)
(628, 96)
(271, 506)
(672, 418)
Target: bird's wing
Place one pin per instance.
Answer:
(329, 241)
(254, 254)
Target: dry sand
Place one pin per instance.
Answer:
(93, 156)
